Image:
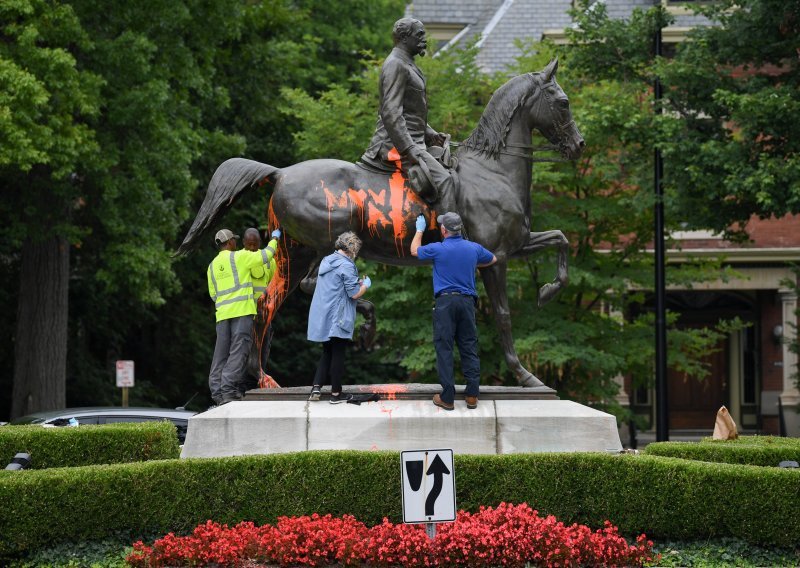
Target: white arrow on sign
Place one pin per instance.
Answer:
(429, 486)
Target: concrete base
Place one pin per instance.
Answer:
(496, 427)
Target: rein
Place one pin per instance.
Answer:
(529, 147)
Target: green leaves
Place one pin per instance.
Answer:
(45, 98)
(734, 90)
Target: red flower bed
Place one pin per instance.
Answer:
(509, 535)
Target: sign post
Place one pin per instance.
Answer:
(429, 488)
(125, 379)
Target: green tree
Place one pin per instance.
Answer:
(46, 103)
(119, 117)
(733, 92)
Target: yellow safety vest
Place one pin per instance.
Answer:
(262, 275)
(230, 283)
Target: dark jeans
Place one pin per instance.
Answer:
(454, 319)
(331, 364)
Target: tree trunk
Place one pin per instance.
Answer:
(40, 348)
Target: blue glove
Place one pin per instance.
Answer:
(366, 281)
(421, 224)
(276, 234)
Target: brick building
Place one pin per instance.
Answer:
(752, 374)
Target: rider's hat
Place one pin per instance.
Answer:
(451, 221)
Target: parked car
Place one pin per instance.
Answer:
(110, 415)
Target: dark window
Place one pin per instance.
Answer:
(87, 419)
(113, 419)
(750, 364)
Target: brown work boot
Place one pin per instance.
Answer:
(437, 400)
(472, 402)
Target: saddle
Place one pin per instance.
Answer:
(419, 176)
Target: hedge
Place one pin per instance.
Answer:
(90, 445)
(663, 497)
(765, 451)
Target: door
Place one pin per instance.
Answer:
(693, 403)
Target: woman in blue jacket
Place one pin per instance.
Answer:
(332, 317)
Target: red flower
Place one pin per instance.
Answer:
(508, 535)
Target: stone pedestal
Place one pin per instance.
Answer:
(507, 420)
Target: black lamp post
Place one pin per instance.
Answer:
(662, 405)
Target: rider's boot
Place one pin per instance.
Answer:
(421, 185)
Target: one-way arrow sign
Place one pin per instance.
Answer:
(429, 486)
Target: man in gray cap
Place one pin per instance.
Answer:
(454, 262)
(230, 285)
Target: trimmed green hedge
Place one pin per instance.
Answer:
(765, 451)
(90, 445)
(663, 497)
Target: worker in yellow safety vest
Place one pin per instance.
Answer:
(262, 337)
(230, 285)
(262, 274)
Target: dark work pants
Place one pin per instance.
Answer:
(331, 364)
(234, 337)
(454, 319)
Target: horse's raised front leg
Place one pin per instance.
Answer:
(546, 239)
(494, 279)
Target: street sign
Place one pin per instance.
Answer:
(429, 486)
(124, 374)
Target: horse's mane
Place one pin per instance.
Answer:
(489, 136)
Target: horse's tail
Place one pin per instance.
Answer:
(232, 178)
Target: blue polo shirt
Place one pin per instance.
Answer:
(454, 263)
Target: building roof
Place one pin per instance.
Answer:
(498, 24)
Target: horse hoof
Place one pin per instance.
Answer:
(548, 292)
(531, 381)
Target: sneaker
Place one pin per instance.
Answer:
(341, 397)
(472, 402)
(316, 392)
(437, 400)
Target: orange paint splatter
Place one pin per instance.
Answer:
(276, 292)
(357, 197)
(392, 391)
(379, 209)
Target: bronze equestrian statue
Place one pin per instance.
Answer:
(314, 201)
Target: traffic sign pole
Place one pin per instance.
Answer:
(125, 379)
(430, 530)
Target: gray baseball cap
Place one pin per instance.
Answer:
(451, 221)
(224, 235)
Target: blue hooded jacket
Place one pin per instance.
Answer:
(333, 310)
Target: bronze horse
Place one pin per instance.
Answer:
(315, 201)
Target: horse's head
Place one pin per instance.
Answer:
(549, 113)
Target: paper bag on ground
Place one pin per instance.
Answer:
(724, 427)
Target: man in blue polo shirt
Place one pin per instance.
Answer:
(454, 262)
